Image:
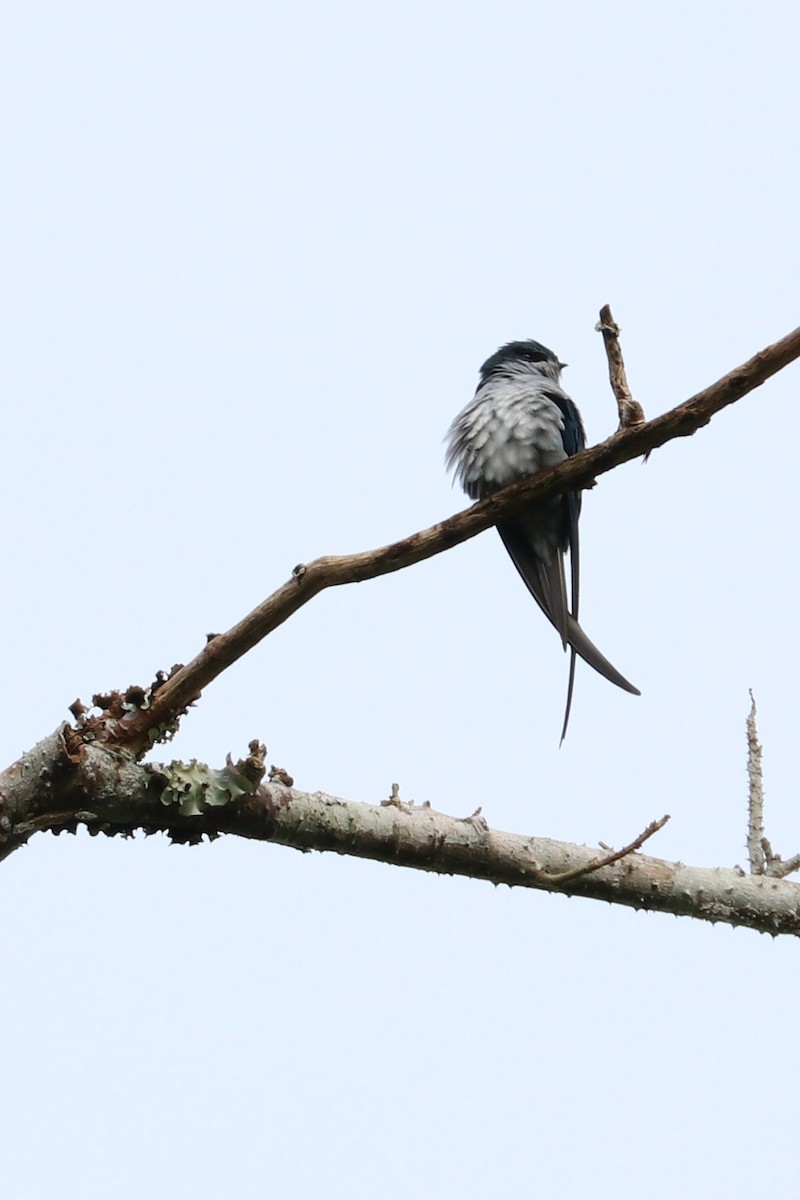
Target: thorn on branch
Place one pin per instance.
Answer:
(477, 821)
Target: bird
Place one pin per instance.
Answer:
(519, 422)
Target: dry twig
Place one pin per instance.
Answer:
(607, 860)
(631, 413)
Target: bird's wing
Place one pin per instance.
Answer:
(543, 576)
(546, 583)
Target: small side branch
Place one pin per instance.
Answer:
(631, 413)
(609, 859)
(778, 868)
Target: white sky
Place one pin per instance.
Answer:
(253, 255)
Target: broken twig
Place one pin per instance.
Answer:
(630, 411)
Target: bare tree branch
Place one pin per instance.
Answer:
(63, 783)
(136, 730)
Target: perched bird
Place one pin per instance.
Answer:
(521, 421)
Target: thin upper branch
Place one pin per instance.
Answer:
(580, 471)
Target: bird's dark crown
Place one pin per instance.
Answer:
(512, 352)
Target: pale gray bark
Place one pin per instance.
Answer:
(63, 783)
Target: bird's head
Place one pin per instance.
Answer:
(528, 357)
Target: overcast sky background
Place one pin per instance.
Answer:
(253, 255)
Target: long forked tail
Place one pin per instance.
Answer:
(544, 578)
(580, 644)
(591, 655)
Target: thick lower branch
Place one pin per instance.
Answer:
(61, 784)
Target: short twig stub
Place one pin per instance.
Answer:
(630, 411)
